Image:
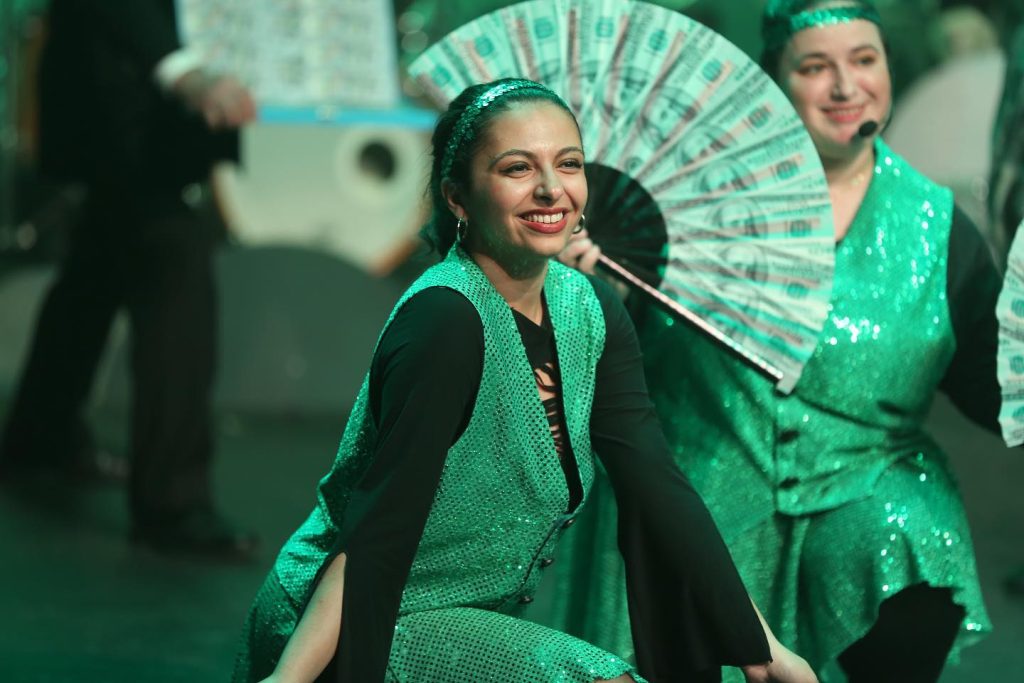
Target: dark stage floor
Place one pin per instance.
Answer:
(81, 604)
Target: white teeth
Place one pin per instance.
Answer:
(545, 218)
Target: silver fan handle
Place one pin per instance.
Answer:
(692, 317)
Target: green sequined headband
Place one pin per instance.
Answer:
(780, 28)
(482, 101)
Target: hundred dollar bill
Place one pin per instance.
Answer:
(467, 56)
(711, 158)
(538, 41)
(1010, 358)
(1011, 338)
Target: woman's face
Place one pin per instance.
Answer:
(837, 78)
(526, 185)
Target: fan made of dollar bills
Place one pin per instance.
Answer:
(1010, 359)
(705, 188)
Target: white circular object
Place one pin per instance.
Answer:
(354, 191)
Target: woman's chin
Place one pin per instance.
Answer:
(840, 147)
(544, 245)
(554, 248)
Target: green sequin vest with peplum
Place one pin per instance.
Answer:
(861, 401)
(502, 500)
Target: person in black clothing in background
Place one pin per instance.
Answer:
(135, 118)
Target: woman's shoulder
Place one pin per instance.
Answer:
(434, 311)
(431, 325)
(888, 159)
(606, 294)
(616, 316)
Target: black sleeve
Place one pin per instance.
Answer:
(689, 609)
(423, 383)
(145, 29)
(972, 288)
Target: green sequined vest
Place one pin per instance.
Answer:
(502, 499)
(862, 398)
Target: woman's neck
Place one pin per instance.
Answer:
(850, 171)
(521, 286)
(848, 180)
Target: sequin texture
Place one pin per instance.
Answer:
(497, 515)
(781, 23)
(831, 499)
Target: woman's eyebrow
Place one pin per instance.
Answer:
(509, 153)
(531, 155)
(821, 55)
(811, 55)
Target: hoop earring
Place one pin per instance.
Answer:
(581, 225)
(460, 229)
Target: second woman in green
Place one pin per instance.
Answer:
(840, 510)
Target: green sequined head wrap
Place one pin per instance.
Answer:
(783, 19)
(471, 112)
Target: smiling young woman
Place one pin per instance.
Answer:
(524, 195)
(499, 379)
(837, 77)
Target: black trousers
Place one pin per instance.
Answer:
(909, 643)
(149, 253)
(910, 640)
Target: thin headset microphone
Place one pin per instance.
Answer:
(867, 129)
(870, 127)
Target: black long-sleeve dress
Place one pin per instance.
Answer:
(690, 612)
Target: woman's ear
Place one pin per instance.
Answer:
(451, 194)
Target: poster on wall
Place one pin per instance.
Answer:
(299, 53)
